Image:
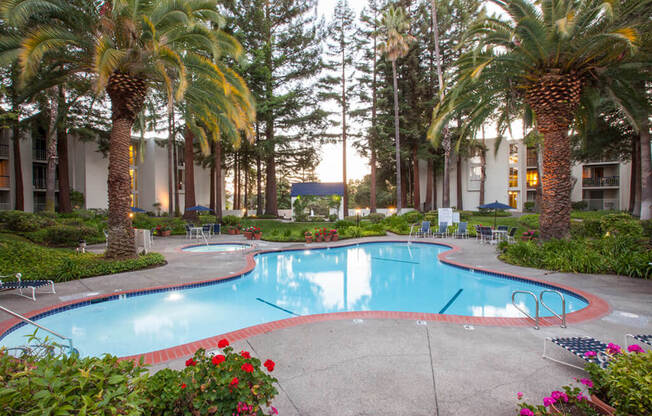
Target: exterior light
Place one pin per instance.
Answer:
(131, 215)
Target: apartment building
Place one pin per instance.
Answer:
(88, 170)
(512, 178)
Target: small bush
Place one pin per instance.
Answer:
(230, 220)
(266, 216)
(332, 218)
(621, 224)
(375, 217)
(344, 223)
(579, 205)
(530, 221)
(351, 218)
(24, 221)
(429, 216)
(66, 235)
(528, 206)
(586, 229)
(466, 215)
(412, 217)
(316, 218)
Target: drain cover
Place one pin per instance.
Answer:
(358, 321)
(469, 327)
(422, 323)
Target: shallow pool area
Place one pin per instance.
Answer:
(387, 276)
(216, 248)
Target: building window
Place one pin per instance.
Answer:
(133, 173)
(531, 156)
(513, 177)
(475, 172)
(513, 198)
(513, 154)
(180, 179)
(4, 174)
(532, 178)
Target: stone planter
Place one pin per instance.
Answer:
(335, 237)
(248, 235)
(257, 236)
(232, 231)
(165, 233)
(327, 237)
(601, 406)
(308, 239)
(318, 238)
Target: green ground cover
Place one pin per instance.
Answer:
(17, 254)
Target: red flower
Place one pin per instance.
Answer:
(234, 382)
(247, 368)
(191, 362)
(218, 359)
(245, 354)
(269, 365)
(183, 386)
(223, 343)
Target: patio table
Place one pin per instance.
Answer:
(197, 231)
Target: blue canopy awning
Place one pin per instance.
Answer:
(198, 208)
(136, 209)
(317, 189)
(495, 205)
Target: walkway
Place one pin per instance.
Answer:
(394, 367)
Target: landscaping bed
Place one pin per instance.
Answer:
(19, 255)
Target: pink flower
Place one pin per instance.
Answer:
(274, 411)
(269, 365)
(614, 349)
(564, 397)
(183, 386)
(247, 368)
(190, 362)
(519, 395)
(526, 412)
(218, 359)
(590, 354)
(556, 395)
(547, 401)
(245, 354)
(588, 383)
(581, 397)
(635, 348)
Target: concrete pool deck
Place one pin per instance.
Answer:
(392, 366)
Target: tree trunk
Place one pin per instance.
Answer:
(171, 184)
(646, 171)
(18, 171)
(345, 197)
(637, 180)
(259, 176)
(460, 203)
(404, 187)
(483, 168)
(538, 198)
(556, 182)
(372, 135)
(64, 180)
(218, 180)
(429, 186)
(634, 174)
(399, 193)
(189, 165)
(434, 187)
(246, 183)
(177, 182)
(212, 181)
(416, 194)
(50, 177)
(121, 234)
(271, 205)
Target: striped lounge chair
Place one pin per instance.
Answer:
(20, 284)
(579, 346)
(645, 339)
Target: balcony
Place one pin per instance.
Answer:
(41, 184)
(602, 182)
(4, 181)
(39, 154)
(602, 204)
(5, 206)
(4, 150)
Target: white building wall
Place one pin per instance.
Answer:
(96, 171)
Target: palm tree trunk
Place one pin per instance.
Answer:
(633, 175)
(446, 139)
(50, 177)
(460, 201)
(218, 180)
(18, 171)
(171, 184)
(64, 181)
(259, 175)
(189, 165)
(399, 194)
(483, 168)
(177, 184)
(212, 181)
(416, 194)
(556, 184)
(121, 234)
(646, 171)
(637, 180)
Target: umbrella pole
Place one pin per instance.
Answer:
(495, 214)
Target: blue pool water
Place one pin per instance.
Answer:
(214, 248)
(372, 276)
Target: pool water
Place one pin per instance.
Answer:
(216, 248)
(364, 277)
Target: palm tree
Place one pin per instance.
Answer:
(128, 46)
(548, 57)
(395, 45)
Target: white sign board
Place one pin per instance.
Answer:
(445, 215)
(456, 217)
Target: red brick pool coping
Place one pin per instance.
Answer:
(596, 308)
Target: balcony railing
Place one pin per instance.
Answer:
(4, 181)
(4, 150)
(5, 206)
(39, 206)
(601, 182)
(40, 154)
(602, 204)
(41, 183)
(532, 161)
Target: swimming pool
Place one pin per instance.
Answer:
(216, 247)
(364, 277)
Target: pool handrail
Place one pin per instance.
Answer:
(563, 305)
(29, 321)
(536, 301)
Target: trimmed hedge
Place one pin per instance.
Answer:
(36, 262)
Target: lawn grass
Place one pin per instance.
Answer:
(274, 230)
(19, 255)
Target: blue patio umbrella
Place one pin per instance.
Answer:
(136, 209)
(198, 208)
(495, 206)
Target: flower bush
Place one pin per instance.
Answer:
(568, 401)
(223, 384)
(253, 230)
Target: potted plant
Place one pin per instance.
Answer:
(308, 236)
(317, 235)
(230, 229)
(163, 230)
(248, 233)
(237, 229)
(327, 234)
(258, 233)
(570, 400)
(334, 235)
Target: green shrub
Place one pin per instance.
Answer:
(207, 219)
(375, 217)
(344, 223)
(316, 218)
(332, 217)
(24, 221)
(78, 267)
(412, 217)
(72, 385)
(66, 235)
(230, 220)
(647, 229)
(531, 221)
(622, 224)
(588, 228)
(465, 215)
(625, 384)
(429, 216)
(579, 205)
(528, 206)
(351, 218)
(218, 385)
(266, 216)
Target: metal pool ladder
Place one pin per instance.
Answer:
(29, 321)
(540, 301)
